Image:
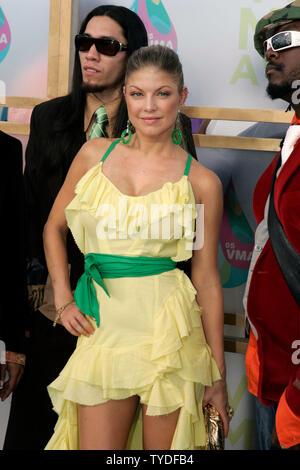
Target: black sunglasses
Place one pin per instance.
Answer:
(105, 46)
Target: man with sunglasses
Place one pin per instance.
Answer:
(273, 309)
(107, 37)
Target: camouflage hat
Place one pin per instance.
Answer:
(267, 26)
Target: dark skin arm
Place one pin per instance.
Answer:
(15, 372)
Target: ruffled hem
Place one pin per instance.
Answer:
(189, 434)
(168, 373)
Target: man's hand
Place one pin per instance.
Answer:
(274, 439)
(15, 372)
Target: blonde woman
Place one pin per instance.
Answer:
(150, 349)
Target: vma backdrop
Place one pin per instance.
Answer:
(214, 40)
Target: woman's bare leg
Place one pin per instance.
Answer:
(106, 426)
(158, 431)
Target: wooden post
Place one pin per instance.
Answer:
(59, 57)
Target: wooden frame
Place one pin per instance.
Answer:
(237, 114)
(236, 344)
(59, 50)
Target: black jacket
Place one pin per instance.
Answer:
(13, 298)
(43, 180)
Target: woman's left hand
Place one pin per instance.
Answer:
(217, 396)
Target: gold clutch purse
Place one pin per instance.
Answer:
(214, 429)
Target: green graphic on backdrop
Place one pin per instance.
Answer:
(247, 24)
(236, 243)
(246, 427)
(245, 69)
(157, 22)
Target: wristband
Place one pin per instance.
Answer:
(60, 310)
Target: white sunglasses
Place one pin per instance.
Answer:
(282, 40)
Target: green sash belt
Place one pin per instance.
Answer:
(100, 266)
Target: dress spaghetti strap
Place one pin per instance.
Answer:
(110, 149)
(188, 165)
(112, 146)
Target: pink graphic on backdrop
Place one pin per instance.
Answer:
(237, 253)
(5, 36)
(157, 22)
(32, 79)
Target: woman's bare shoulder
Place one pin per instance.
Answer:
(88, 157)
(92, 151)
(205, 182)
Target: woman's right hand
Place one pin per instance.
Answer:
(217, 396)
(76, 322)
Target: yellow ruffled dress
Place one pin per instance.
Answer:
(150, 341)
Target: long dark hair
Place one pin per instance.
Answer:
(71, 111)
(136, 36)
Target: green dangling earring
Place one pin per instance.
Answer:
(126, 133)
(176, 134)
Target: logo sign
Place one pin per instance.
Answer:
(157, 22)
(5, 36)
